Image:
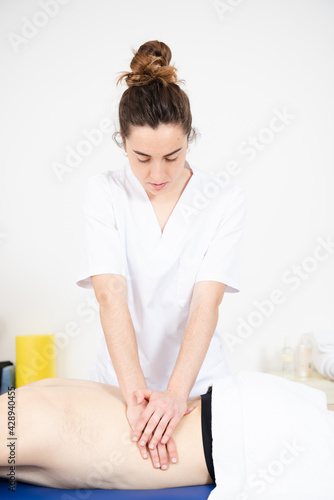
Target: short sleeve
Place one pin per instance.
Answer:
(102, 249)
(221, 261)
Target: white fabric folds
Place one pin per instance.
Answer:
(272, 439)
(323, 353)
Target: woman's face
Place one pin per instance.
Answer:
(157, 157)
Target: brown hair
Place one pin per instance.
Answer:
(153, 96)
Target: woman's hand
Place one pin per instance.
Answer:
(160, 417)
(161, 454)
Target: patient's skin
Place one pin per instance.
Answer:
(75, 434)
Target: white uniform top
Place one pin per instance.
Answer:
(200, 241)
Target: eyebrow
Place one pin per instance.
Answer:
(169, 154)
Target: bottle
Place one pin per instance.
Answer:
(305, 356)
(287, 358)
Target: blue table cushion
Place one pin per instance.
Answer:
(24, 490)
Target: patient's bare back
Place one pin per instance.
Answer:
(75, 434)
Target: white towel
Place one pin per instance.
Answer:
(273, 439)
(323, 352)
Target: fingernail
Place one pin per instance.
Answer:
(157, 464)
(164, 467)
(145, 456)
(134, 438)
(151, 446)
(142, 443)
(174, 460)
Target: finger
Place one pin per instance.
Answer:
(141, 394)
(163, 456)
(169, 429)
(141, 424)
(150, 427)
(153, 454)
(171, 448)
(155, 458)
(143, 451)
(145, 416)
(159, 431)
(189, 410)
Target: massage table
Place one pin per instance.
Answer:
(24, 491)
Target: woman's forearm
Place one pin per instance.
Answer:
(170, 405)
(197, 336)
(122, 346)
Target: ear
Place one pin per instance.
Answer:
(123, 141)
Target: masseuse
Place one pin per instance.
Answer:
(162, 245)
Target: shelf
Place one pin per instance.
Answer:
(317, 381)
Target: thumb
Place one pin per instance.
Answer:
(189, 410)
(141, 394)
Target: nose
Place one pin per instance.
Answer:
(157, 173)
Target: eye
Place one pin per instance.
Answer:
(145, 161)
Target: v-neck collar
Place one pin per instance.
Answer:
(176, 224)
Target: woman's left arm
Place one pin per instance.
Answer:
(165, 409)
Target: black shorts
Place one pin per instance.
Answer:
(207, 431)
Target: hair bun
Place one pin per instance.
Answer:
(150, 62)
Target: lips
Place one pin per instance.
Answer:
(158, 186)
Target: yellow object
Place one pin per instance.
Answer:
(35, 358)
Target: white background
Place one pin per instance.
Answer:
(240, 62)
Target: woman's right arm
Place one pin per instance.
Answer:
(104, 264)
(111, 293)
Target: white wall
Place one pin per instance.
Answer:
(241, 60)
